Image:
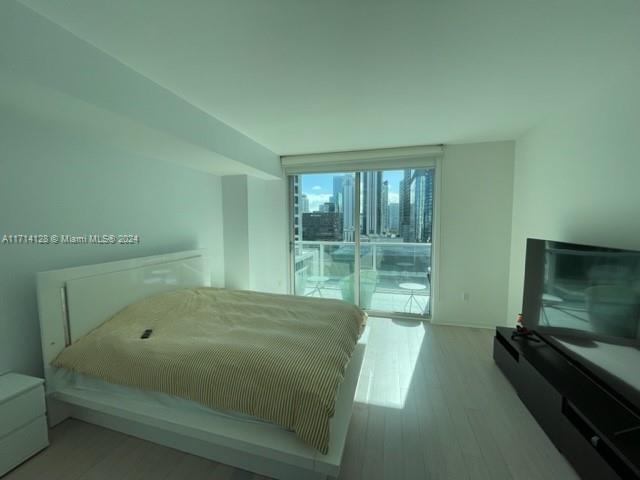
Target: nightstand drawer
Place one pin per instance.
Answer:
(21, 444)
(21, 409)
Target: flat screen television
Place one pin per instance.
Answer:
(585, 301)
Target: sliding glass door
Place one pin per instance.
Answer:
(364, 237)
(396, 209)
(324, 235)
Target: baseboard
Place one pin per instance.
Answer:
(398, 316)
(465, 325)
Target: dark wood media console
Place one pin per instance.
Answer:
(597, 433)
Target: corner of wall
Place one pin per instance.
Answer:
(255, 233)
(475, 233)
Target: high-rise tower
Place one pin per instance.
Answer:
(348, 195)
(371, 203)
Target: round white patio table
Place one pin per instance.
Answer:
(413, 288)
(319, 282)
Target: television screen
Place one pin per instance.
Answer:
(585, 300)
(584, 289)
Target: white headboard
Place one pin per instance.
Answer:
(74, 301)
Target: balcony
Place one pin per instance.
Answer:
(394, 276)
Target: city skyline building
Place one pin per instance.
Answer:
(406, 215)
(327, 207)
(338, 194)
(371, 203)
(405, 228)
(416, 205)
(348, 196)
(384, 208)
(423, 205)
(323, 226)
(297, 214)
(394, 218)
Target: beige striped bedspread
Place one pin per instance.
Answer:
(279, 358)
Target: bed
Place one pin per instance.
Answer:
(74, 304)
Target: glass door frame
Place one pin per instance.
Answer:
(433, 286)
(356, 240)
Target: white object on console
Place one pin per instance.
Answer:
(23, 426)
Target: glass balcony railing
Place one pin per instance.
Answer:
(394, 276)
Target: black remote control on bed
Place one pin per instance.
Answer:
(146, 333)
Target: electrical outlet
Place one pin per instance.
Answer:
(465, 296)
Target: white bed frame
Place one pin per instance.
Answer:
(76, 300)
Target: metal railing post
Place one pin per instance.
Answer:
(315, 253)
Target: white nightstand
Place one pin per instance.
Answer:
(23, 425)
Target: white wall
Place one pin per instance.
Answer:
(236, 232)
(46, 70)
(52, 181)
(268, 234)
(475, 229)
(577, 179)
(88, 145)
(255, 233)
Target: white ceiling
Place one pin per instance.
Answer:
(301, 76)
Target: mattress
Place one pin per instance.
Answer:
(65, 379)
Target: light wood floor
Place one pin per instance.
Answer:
(431, 404)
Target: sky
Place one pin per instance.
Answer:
(319, 187)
